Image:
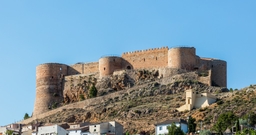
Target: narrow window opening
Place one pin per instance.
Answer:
(128, 67)
(104, 68)
(60, 69)
(212, 66)
(114, 60)
(156, 58)
(52, 77)
(144, 59)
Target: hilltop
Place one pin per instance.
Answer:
(138, 99)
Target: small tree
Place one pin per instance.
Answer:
(231, 90)
(191, 124)
(9, 132)
(251, 117)
(171, 129)
(237, 125)
(26, 116)
(174, 130)
(178, 131)
(93, 91)
(224, 121)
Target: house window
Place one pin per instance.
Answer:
(160, 128)
(94, 130)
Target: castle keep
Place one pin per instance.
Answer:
(50, 77)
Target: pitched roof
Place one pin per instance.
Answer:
(172, 121)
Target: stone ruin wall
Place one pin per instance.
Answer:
(151, 58)
(218, 70)
(206, 79)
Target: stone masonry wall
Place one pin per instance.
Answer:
(92, 67)
(107, 65)
(84, 68)
(151, 58)
(182, 58)
(219, 73)
(49, 86)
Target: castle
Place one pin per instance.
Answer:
(50, 77)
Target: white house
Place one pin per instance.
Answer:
(51, 130)
(108, 128)
(79, 129)
(195, 99)
(161, 128)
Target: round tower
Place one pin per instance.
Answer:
(107, 65)
(219, 73)
(182, 58)
(49, 79)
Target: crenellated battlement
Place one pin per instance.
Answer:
(146, 50)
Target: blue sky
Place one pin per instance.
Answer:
(64, 31)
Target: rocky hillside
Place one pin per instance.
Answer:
(241, 102)
(139, 100)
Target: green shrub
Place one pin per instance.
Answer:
(93, 91)
(26, 116)
(54, 105)
(220, 102)
(81, 97)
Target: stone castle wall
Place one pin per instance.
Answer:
(219, 73)
(151, 58)
(83, 68)
(107, 65)
(182, 58)
(218, 70)
(49, 79)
